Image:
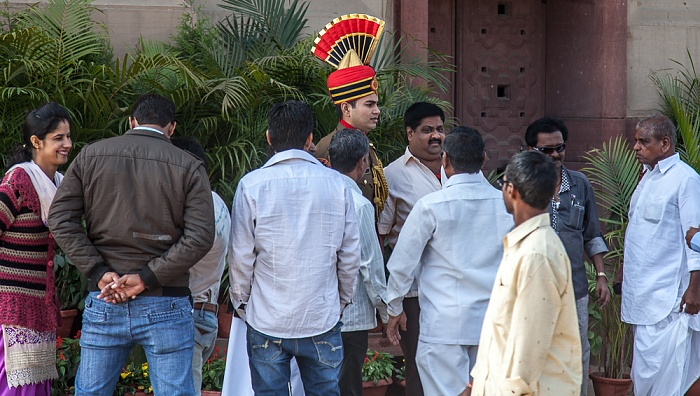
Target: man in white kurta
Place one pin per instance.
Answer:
(661, 277)
(451, 242)
(530, 342)
(409, 178)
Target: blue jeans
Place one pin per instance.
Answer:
(161, 325)
(319, 358)
(206, 326)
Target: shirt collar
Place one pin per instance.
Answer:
(289, 155)
(520, 232)
(461, 178)
(351, 183)
(666, 163)
(565, 180)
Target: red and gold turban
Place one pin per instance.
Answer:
(348, 43)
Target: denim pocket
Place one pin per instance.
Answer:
(205, 324)
(329, 347)
(173, 314)
(263, 348)
(94, 313)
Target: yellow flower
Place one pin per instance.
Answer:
(125, 374)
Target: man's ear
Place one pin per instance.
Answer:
(409, 133)
(267, 136)
(133, 123)
(309, 141)
(171, 129)
(665, 144)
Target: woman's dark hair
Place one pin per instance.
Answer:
(38, 122)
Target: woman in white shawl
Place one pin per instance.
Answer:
(29, 309)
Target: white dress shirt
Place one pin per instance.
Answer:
(295, 246)
(370, 289)
(453, 242)
(657, 260)
(205, 276)
(409, 180)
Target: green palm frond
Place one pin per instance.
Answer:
(614, 173)
(271, 19)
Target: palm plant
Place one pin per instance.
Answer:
(614, 174)
(58, 52)
(680, 94)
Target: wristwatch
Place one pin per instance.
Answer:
(601, 273)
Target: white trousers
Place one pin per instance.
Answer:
(237, 380)
(666, 359)
(444, 369)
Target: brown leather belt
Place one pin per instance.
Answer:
(207, 307)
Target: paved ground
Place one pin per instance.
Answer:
(375, 342)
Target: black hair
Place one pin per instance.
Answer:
(154, 110)
(347, 147)
(545, 125)
(419, 110)
(534, 175)
(659, 126)
(38, 122)
(289, 124)
(191, 145)
(465, 148)
(339, 109)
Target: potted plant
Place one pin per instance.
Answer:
(71, 288)
(134, 380)
(376, 373)
(614, 173)
(213, 374)
(67, 360)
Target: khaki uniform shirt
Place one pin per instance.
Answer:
(367, 182)
(530, 341)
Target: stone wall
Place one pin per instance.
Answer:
(127, 20)
(658, 31)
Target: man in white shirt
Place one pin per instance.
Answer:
(661, 277)
(530, 342)
(291, 296)
(348, 152)
(410, 178)
(205, 276)
(453, 240)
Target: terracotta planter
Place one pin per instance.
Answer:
(224, 319)
(211, 393)
(610, 386)
(67, 317)
(369, 388)
(401, 383)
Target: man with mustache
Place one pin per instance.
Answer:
(661, 279)
(412, 176)
(574, 217)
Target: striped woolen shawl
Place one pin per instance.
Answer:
(27, 289)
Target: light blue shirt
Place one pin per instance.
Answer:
(657, 260)
(205, 276)
(370, 289)
(294, 247)
(452, 242)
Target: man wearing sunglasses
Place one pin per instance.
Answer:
(574, 217)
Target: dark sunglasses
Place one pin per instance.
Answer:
(550, 150)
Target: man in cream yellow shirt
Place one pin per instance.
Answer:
(530, 341)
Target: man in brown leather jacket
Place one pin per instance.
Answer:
(149, 217)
